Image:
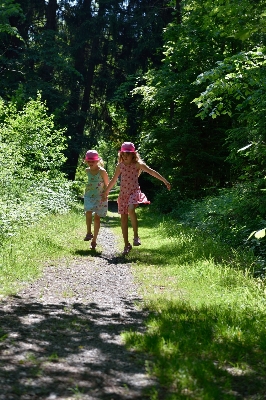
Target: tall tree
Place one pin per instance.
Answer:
(78, 53)
(87, 30)
(111, 42)
(194, 150)
(10, 46)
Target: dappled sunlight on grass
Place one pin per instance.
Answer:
(205, 333)
(204, 352)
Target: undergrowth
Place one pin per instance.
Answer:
(230, 218)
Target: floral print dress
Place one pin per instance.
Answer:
(93, 195)
(130, 192)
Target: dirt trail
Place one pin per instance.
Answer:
(60, 336)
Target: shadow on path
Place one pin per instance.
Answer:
(61, 351)
(60, 338)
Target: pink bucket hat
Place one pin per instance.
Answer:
(92, 155)
(128, 147)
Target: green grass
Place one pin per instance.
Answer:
(205, 335)
(23, 256)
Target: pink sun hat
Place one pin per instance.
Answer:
(128, 147)
(92, 155)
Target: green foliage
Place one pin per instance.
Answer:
(9, 9)
(80, 57)
(86, 64)
(236, 83)
(229, 217)
(31, 183)
(242, 20)
(29, 201)
(31, 131)
(238, 88)
(226, 40)
(171, 135)
(109, 153)
(258, 234)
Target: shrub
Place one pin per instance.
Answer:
(31, 183)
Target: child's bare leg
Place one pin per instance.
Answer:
(88, 236)
(88, 221)
(133, 219)
(124, 227)
(97, 223)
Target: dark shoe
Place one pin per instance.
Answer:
(88, 237)
(136, 241)
(93, 245)
(127, 249)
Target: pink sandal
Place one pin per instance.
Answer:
(127, 249)
(88, 237)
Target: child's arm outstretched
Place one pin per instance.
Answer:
(154, 173)
(112, 182)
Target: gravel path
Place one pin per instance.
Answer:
(60, 336)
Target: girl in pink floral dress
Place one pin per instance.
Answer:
(129, 167)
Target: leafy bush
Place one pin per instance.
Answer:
(168, 201)
(41, 199)
(31, 183)
(33, 137)
(229, 217)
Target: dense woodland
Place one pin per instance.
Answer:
(184, 80)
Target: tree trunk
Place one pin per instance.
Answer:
(79, 107)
